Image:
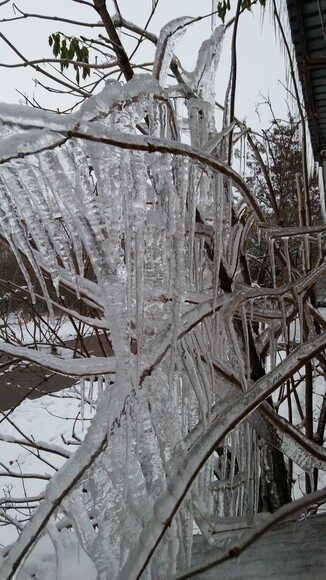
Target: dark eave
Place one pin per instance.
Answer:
(308, 30)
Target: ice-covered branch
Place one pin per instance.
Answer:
(168, 503)
(39, 445)
(235, 550)
(19, 500)
(72, 367)
(20, 475)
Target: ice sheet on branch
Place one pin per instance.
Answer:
(169, 37)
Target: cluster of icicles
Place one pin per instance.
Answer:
(133, 215)
(89, 187)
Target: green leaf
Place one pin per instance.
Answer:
(69, 48)
(84, 54)
(223, 6)
(246, 4)
(86, 72)
(56, 45)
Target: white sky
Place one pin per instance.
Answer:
(260, 62)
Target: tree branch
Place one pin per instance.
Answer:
(126, 69)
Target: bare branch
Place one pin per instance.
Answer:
(25, 15)
(118, 48)
(45, 73)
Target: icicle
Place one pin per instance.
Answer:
(90, 394)
(218, 227)
(100, 387)
(251, 310)
(232, 250)
(284, 322)
(172, 535)
(246, 340)
(272, 258)
(235, 457)
(319, 244)
(307, 252)
(287, 257)
(13, 226)
(177, 216)
(213, 16)
(203, 78)
(82, 402)
(322, 196)
(190, 355)
(237, 358)
(106, 384)
(273, 346)
(198, 115)
(201, 352)
(136, 207)
(191, 224)
(259, 234)
(127, 456)
(301, 315)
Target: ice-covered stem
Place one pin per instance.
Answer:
(126, 69)
(19, 500)
(16, 148)
(9, 473)
(39, 445)
(235, 550)
(281, 434)
(170, 35)
(72, 367)
(168, 503)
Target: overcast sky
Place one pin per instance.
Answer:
(261, 66)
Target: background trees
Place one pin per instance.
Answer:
(110, 203)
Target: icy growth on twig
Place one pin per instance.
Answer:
(169, 37)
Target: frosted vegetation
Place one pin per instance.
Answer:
(138, 183)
